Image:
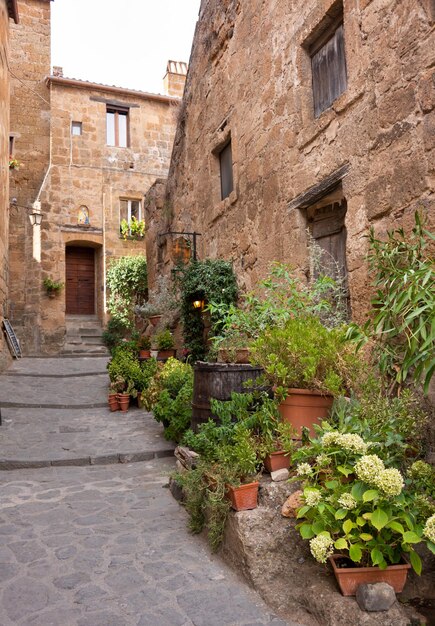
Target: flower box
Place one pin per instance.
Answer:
(350, 578)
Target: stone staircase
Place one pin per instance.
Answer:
(84, 336)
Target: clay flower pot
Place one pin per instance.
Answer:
(164, 355)
(144, 354)
(113, 402)
(276, 461)
(154, 319)
(304, 408)
(124, 401)
(243, 498)
(349, 578)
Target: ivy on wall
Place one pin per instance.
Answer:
(209, 280)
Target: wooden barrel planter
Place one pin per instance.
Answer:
(217, 380)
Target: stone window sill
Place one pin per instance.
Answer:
(220, 208)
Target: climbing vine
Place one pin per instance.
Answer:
(209, 280)
(128, 286)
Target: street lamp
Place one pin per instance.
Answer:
(35, 218)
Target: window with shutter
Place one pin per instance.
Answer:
(226, 171)
(328, 66)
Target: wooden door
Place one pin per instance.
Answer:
(80, 281)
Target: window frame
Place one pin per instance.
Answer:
(226, 171)
(117, 111)
(129, 206)
(76, 125)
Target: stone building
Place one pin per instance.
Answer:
(8, 12)
(302, 117)
(89, 152)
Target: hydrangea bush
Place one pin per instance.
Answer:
(355, 506)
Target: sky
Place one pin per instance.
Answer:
(122, 42)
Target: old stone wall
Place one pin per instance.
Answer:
(30, 126)
(250, 82)
(88, 174)
(4, 173)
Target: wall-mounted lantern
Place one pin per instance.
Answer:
(198, 304)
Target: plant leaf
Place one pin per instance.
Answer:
(379, 519)
(370, 495)
(415, 562)
(411, 537)
(341, 544)
(355, 552)
(306, 531)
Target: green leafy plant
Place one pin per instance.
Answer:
(357, 507)
(135, 229)
(164, 340)
(115, 332)
(161, 299)
(401, 323)
(173, 405)
(305, 354)
(127, 284)
(144, 342)
(209, 280)
(52, 286)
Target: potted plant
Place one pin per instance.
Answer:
(53, 287)
(358, 513)
(164, 343)
(144, 345)
(125, 396)
(115, 387)
(308, 364)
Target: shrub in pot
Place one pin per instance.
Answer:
(308, 364)
(164, 342)
(360, 512)
(144, 346)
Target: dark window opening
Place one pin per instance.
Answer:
(117, 127)
(226, 171)
(11, 145)
(328, 66)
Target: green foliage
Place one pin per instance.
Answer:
(115, 332)
(305, 354)
(164, 340)
(135, 229)
(395, 426)
(52, 285)
(144, 342)
(125, 365)
(172, 393)
(357, 507)
(402, 322)
(127, 284)
(212, 281)
(279, 298)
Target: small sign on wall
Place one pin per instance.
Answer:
(83, 216)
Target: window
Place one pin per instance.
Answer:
(117, 127)
(11, 145)
(328, 66)
(226, 171)
(129, 209)
(76, 128)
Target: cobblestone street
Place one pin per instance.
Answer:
(104, 544)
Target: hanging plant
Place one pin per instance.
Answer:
(209, 280)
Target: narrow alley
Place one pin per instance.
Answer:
(89, 536)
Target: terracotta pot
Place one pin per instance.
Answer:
(144, 354)
(113, 402)
(244, 497)
(237, 355)
(349, 578)
(276, 461)
(124, 401)
(305, 407)
(155, 319)
(166, 354)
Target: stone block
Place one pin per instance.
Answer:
(375, 597)
(280, 475)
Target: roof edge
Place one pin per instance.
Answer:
(83, 84)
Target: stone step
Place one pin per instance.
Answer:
(94, 332)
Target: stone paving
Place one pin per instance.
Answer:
(103, 545)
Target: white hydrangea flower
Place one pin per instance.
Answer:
(347, 501)
(330, 438)
(304, 469)
(321, 547)
(312, 497)
(390, 481)
(368, 468)
(420, 469)
(429, 529)
(323, 459)
(353, 443)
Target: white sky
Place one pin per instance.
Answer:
(122, 42)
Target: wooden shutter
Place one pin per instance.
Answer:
(329, 72)
(226, 167)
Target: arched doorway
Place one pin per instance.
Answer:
(80, 280)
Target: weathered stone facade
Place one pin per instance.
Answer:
(61, 127)
(30, 126)
(250, 82)
(8, 11)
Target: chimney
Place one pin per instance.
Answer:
(58, 71)
(175, 78)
